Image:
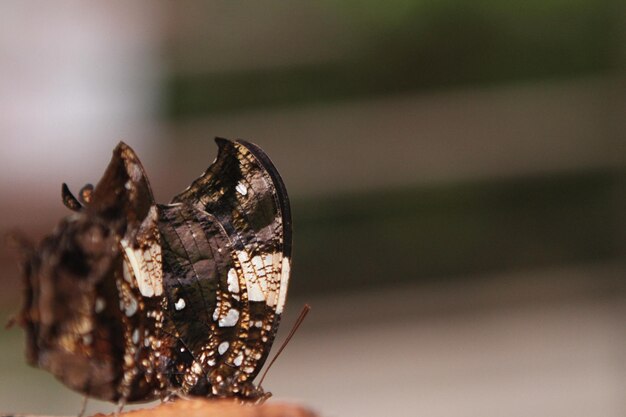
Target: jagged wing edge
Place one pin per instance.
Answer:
(283, 197)
(136, 188)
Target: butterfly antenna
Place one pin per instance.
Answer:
(299, 320)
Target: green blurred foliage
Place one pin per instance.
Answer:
(353, 241)
(418, 45)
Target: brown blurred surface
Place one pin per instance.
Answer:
(217, 408)
(209, 408)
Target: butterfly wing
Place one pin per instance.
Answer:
(86, 285)
(226, 260)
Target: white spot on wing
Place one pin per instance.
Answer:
(255, 293)
(233, 281)
(242, 189)
(131, 308)
(230, 320)
(242, 255)
(258, 264)
(223, 347)
(146, 268)
(284, 282)
(100, 305)
(239, 359)
(134, 171)
(128, 277)
(196, 368)
(180, 304)
(268, 259)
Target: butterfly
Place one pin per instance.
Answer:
(129, 300)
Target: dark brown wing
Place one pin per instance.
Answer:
(227, 248)
(85, 286)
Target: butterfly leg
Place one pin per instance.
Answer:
(174, 395)
(166, 397)
(83, 407)
(266, 396)
(120, 406)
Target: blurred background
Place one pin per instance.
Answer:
(457, 173)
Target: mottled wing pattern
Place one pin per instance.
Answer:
(123, 197)
(124, 192)
(95, 289)
(67, 332)
(132, 301)
(227, 243)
